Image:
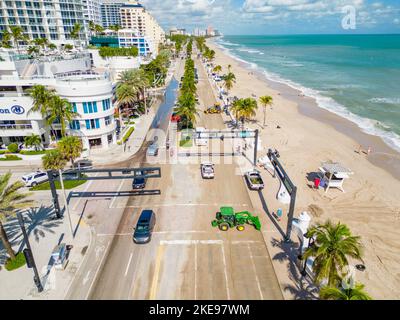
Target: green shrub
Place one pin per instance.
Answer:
(4, 151)
(13, 147)
(106, 52)
(16, 263)
(127, 135)
(10, 157)
(33, 152)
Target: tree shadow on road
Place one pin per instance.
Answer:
(301, 288)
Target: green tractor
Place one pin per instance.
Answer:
(227, 218)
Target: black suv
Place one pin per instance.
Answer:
(144, 227)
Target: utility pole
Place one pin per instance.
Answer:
(29, 255)
(255, 146)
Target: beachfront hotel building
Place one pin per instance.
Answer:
(92, 11)
(51, 19)
(72, 78)
(110, 13)
(135, 16)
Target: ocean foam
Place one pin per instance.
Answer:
(367, 125)
(385, 100)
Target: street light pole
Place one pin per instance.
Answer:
(31, 261)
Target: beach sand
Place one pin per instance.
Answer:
(308, 136)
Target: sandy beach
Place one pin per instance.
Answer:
(308, 135)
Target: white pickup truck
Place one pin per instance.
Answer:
(254, 180)
(207, 170)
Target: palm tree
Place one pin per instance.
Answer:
(33, 50)
(217, 69)
(33, 140)
(126, 96)
(75, 32)
(333, 245)
(17, 35)
(245, 109)
(187, 108)
(334, 293)
(60, 109)
(41, 97)
(137, 79)
(115, 28)
(41, 42)
(5, 39)
(11, 200)
(265, 101)
(229, 80)
(70, 147)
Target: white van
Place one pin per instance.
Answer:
(200, 141)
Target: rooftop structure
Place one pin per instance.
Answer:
(72, 78)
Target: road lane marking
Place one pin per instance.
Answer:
(189, 242)
(129, 263)
(154, 232)
(115, 197)
(225, 272)
(86, 278)
(154, 285)
(183, 204)
(97, 270)
(255, 272)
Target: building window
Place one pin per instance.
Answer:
(92, 124)
(75, 125)
(90, 107)
(74, 107)
(108, 120)
(106, 104)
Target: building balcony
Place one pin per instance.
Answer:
(18, 130)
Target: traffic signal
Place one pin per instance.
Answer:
(29, 258)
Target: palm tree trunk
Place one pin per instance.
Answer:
(62, 127)
(6, 242)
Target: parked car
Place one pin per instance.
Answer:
(144, 227)
(83, 164)
(254, 180)
(139, 183)
(35, 178)
(207, 170)
(152, 150)
(217, 78)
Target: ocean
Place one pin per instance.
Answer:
(354, 76)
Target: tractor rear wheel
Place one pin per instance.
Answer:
(223, 227)
(240, 228)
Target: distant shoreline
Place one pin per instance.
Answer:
(383, 156)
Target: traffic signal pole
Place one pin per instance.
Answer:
(29, 255)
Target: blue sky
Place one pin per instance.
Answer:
(278, 16)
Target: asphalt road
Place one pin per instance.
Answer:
(187, 258)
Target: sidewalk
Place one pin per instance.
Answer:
(44, 235)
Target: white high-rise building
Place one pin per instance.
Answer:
(110, 13)
(51, 19)
(135, 16)
(92, 11)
